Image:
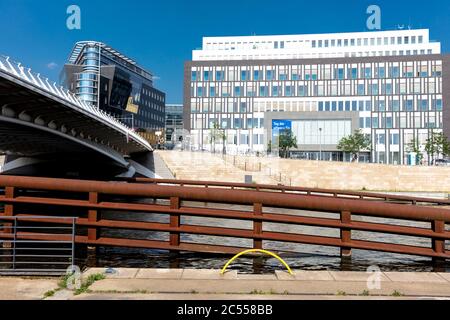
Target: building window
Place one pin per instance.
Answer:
(256, 75)
(340, 74)
(219, 76)
(347, 105)
(334, 106)
(362, 122)
(395, 72)
(389, 122)
(361, 89)
(302, 91)
(244, 75)
(409, 105)
(269, 75)
(375, 122)
(263, 91)
(395, 105)
(439, 104)
(424, 105)
(194, 76)
(275, 91)
(206, 76)
(288, 91)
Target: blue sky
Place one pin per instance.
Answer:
(160, 35)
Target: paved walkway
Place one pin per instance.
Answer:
(25, 289)
(186, 284)
(210, 284)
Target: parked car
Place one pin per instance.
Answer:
(441, 162)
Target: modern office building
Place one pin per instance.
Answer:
(174, 123)
(116, 84)
(393, 85)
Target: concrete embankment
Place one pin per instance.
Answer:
(186, 284)
(314, 174)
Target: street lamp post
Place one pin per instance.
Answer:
(320, 144)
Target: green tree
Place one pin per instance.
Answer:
(216, 133)
(437, 144)
(286, 142)
(269, 147)
(414, 147)
(354, 144)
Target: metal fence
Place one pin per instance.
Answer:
(240, 203)
(25, 250)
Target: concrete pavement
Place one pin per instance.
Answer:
(208, 284)
(187, 284)
(25, 288)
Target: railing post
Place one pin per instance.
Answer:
(257, 226)
(438, 245)
(10, 193)
(93, 234)
(346, 234)
(93, 216)
(175, 222)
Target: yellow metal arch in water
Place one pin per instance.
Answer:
(256, 250)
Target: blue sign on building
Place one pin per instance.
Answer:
(281, 125)
(278, 126)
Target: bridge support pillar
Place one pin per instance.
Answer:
(346, 234)
(438, 245)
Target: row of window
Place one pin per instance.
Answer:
(297, 55)
(152, 94)
(394, 138)
(401, 121)
(323, 72)
(320, 88)
(367, 41)
(381, 105)
(324, 43)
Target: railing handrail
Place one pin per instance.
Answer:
(16, 70)
(308, 190)
(244, 197)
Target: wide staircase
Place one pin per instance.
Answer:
(207, 166)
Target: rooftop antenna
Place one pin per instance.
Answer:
(401, 27)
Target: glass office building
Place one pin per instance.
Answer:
(116, 84)
(393, 96)
(174, 124)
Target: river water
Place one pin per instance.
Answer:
(310, 257)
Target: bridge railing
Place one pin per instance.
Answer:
(257, 216)
(17, 70)
(344, 194)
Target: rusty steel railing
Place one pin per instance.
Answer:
(373, 196)
(91, 198)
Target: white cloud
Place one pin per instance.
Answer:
(52, 65)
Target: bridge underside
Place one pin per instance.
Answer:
(33, 152)
(42, 136)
